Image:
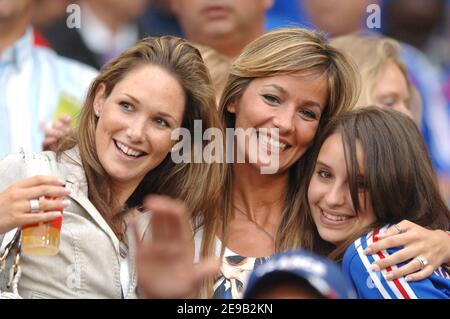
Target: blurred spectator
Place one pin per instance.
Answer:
(36, 85)
(47, 12)
(226, 26)
(298, 274)
(384, 78)
(159, 19)
(421, 24)
(337, 17)
(108, 27)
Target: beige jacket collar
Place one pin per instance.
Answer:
(76, 181)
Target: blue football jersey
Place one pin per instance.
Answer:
(373, 285)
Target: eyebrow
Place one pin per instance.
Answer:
(318, 162)
(284, 91)
(278, 88)
(135, 100)
(163, 114)
(393, 93)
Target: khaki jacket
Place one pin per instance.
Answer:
(87, 264)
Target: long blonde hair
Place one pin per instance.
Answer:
(371, 53)
(283, 51)
(199, 185)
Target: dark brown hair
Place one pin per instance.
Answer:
(399, 176)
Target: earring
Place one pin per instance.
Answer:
(97, 113)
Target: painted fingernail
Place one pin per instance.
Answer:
(389, 277)
(368, 251)
(374, 268)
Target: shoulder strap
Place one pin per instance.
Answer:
(8, 241)
(10, 271)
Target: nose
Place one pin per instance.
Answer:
(136, 131)
(284, 119)
(335, 196)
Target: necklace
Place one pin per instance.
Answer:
(254, 222)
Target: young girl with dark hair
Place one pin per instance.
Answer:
(371, 171)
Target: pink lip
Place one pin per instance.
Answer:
(279, 138)
(124, 156)
(129, 146)
(268, 150)
(333, 223)
(215, 11)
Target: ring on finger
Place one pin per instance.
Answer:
(422, 261)
(399, 229)
(34, 206)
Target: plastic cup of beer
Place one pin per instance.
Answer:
(41, 239)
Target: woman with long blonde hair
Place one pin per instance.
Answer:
(293, 81)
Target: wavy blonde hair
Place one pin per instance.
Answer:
(371, 54)
(280, 52)
(199, 185)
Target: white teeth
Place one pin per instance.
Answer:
(334, 217)
(127, 150)
(272, 142)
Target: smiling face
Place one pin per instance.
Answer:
(329, 194)
(292, 103)
(135, 122)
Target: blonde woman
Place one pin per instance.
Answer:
(120, 153)
(385, 81)
(293, 81)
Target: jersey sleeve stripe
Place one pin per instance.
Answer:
(373, 275)
(399, 286)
